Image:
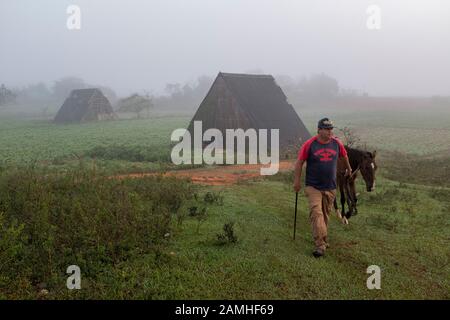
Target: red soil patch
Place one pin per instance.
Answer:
(217, 175)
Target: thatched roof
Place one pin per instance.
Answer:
(250, 101)
(85, 105)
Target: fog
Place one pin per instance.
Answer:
(134, 45)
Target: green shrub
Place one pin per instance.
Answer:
(228, 235)
(213, 198)
(49, 222)
(200, 215)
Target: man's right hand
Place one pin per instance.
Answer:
(297, 187)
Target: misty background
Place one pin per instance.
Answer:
(172, 50)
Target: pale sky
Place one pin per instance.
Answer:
(136, 45)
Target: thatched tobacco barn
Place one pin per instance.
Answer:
(250, 101)
(85, 105)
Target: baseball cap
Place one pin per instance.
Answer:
(325, 123)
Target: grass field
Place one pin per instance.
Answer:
(37, 140)
(42, 143)
(403, 226)
(408, 131)
(267, 264)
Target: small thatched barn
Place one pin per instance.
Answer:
(250, 101)
(85, 105)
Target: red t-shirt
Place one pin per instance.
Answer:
(321, 159)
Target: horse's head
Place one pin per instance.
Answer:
(368, 167)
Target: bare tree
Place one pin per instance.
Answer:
(136, 104)
(350, 138)
(6, 95)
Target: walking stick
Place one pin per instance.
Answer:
(295, 219)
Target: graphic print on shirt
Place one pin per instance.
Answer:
(325, 154)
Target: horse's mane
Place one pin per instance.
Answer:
(356, 156)
(355, 152)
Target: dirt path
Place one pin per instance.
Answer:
(217, 175)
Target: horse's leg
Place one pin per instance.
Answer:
(343, 217)
(343, 200)
(349, 199)
(342, 192)
(336, 209)
(355, 199)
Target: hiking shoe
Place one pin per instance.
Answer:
(318, 253)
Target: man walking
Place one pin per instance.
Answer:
(321, 154)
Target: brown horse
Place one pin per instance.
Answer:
(360, 161)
